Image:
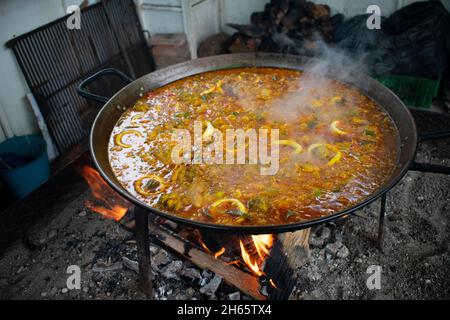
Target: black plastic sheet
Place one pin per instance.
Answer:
(412, 41)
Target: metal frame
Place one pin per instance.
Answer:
(415, 166)
(381, 221)
(143, 250)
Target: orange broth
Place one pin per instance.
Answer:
(336, 147)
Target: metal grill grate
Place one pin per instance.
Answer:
(55, 59)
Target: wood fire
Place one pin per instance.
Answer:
(107, 202)
(262, 244)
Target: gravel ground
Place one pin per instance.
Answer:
(415, 261)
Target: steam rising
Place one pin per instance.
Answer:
(320, 73)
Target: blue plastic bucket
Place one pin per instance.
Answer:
(24, 179)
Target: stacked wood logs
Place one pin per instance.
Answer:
(286, 26)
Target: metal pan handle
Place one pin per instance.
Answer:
(428, 167)
(104, 72)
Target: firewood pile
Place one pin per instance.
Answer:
(285, 26)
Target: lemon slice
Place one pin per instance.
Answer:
(208, 91)
(236, 202)
(316, 103)
(209, 130)
(217, 87)
(335, 159)
(337, 156)
(118, 138)
(335, 129)
(291, 143)
(136, 118)
(336, 99)
(142, 190)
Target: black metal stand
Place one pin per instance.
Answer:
(143, 250)
(415, 166)
(381, 223)
(430, 168)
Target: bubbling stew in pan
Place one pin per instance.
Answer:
(336, 147)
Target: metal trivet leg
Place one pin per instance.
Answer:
(381, 223)
(143, 251)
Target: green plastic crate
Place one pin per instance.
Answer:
(414, 92)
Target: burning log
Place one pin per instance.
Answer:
(272, 259)
(256, 272)
(247, 283)
(289, 253)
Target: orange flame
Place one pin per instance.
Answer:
(115, 206)
(253, 265)
(204, 246)
(219, 253)
(262, 244)
(215, 254)
(272, 283)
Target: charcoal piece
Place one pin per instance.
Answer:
(320, 12)
(302, 6)
(291, 20)
(276, 15)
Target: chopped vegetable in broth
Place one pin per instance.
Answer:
(336, 147)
